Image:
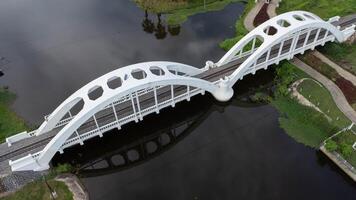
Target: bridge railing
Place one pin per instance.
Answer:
(79, 139)
(28, 161)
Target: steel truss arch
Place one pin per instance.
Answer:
(172, 74)
(296, 20)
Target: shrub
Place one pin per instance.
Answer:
(346, 150)
(330, 145)
(63, 168)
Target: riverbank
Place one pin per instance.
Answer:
(339, 162)
(58, 181)
(240, 29)
(74, 185)
(10, 122)
(40, 190)
(177, 12)
(302, 123)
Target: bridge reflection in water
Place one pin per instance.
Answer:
(140, 143)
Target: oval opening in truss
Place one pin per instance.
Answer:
(309, 16)
(270, 30)
(157, 71)
(175, 72)
(283, 23)
(298, 17)
(95, 92)
(114, 82)
(77, 107)
(138, 74)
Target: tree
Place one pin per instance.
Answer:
(160, 29)
(147, 25)
(346, 150)
(330, 145)
(174, 30)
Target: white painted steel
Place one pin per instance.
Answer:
(171, 74)
(309, 21)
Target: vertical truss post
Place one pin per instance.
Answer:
(280, 52)
(116, 118)
(293, 45)
(80, 139)
(156, 101)
(188, 93)
(70, 114)
(267, 57)
(316, 39)
(254, 66)
(138, 106)
(253, 44)
(325, 37)
(172, 95)
(97, 126)
(133, 107)
(306, 41)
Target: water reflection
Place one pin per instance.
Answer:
(138, 143)
(159, 30)
(87, 38)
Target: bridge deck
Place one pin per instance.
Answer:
(37, 143)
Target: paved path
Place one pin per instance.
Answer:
(271, 10)
(347, 75)
(250, 17)
(335, 91)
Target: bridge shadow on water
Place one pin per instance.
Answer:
(137, 143)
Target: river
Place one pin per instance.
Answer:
(211, 150)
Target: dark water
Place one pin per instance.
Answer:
(213, 151)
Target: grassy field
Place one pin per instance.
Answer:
(38, 190)
(320, 96)
(10, 123)
(323, 8)
(347, 88)
(302, 123)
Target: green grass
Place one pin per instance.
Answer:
(320, 96)
(323, 8)
(240, 30)
(342, 54)
(39, 191)
(10, 123)
(345, 140)
(302, 123)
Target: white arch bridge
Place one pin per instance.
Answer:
(132, 92)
